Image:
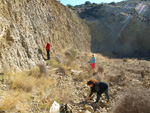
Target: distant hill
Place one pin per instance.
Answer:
(118, 27)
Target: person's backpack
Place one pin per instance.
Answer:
(64, 108)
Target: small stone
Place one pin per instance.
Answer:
(80, 111)
(89, 108)
(86, 111)
(85, 94)
(119, 88)
(104, 110)
(97, 111)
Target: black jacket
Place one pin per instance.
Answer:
(99, 88)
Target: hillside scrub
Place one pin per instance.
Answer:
(135, 100)
(66, 84)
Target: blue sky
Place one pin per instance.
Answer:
(77, 2)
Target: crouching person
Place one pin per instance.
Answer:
(99, 88)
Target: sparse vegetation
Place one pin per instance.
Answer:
(112, 3)
(94, 4)
(71, 7)
(135, 100)
(87, 3)
(28, 87)
(21, 81)
(73, 54)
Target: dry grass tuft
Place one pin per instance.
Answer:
(22, 81)
(9, 102)
(45, 83)
(24, 107)
(34, 72)
(56, 94)
(14, 98)
(136, 100)
(53, 63)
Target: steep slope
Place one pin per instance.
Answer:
(118, 28)
(27, 25)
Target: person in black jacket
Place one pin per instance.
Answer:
(99, 88)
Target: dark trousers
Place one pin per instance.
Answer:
(48, 54)
(106, 93)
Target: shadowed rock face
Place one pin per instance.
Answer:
(27, 25)
(118, 29)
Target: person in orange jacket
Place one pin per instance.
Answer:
(48, 48)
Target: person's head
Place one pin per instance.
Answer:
(93, 55)
(91, 82)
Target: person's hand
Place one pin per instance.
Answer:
(87, 98)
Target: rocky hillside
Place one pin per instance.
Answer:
(118, 28)
(34, 91)
(27, 25)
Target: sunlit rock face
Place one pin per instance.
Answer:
(27, 25)
(121, 28)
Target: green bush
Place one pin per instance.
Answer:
(87, 3)
(70, 6)
(112, 3)
(94, 4)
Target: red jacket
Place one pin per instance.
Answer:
(48, 46)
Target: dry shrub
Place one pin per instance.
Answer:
(99, 77)
(38, 71)
(43, 69)
(61, 70)
(100, 74)
(100, 69)
(79, 77)
(146, 82)
(125, 60)
(136, 100)
(70, 64)
(71, 54)
(120, 78)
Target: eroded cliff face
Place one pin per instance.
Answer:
(27, 25)
(118, 29)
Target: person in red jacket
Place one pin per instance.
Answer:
(48, 48)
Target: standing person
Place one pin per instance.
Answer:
(48, 47)
(92, 63)
(99, 88)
